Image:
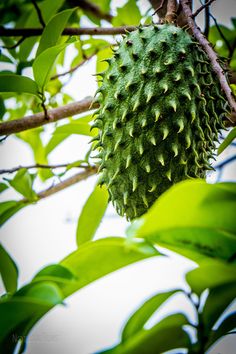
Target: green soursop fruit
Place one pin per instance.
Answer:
(160, 113)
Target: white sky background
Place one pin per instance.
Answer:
(43, 234)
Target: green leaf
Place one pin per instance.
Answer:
(56, 273)
(91, 215)
(8, 209)
(16, 83)
(227, 141)
(8, 271)
(47, 292)
(188, 218)
(3, 187)
(2, 108)
(210, 274)
(196, 242)
(48, 8)
(90, 262)
(138, 320)
(33, 139)
(95, 259)
(23, 184)
(53, 30)
(164, 336)
(5, 59)
(20, 312)
(129, 14)
(218, 300)
(63, 132)
(75, 128)
(224, 328)
(193, 203)
(44, 63)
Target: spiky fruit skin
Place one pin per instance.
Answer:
(160, 112)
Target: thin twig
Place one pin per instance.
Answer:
(21, 40)
(74, 68)
(93, 8)
(71, 31)
(211, 54)
(40, 17)
(232, 49)
(53, 115)
(81, 176)
(207, 21)
(39, 165)
(221, 33)
(159, 7)
(225, 162)
(207, 3)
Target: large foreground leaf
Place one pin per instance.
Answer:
(165, 335)
(193, 218)
(138, 320)
(90, 262)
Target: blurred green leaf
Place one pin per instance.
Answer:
(218, 300)
(3, 187)
(8, 271)
(91, 215)
(8, 209)
(227, 141)
(218, 41)
(95, 259)
(79, 126)
(33, 139)
(44, 63)
(210, 274)
(74, 128)
(2, 108)
(164, 336)
(16, 83)
(140, 317)
(56, 273)
(227, 325)
(188, 218)
(53, 30)
(5, 58)
(103, 4)
(91, 261)
(23, 184)
(19, 313)
(129, 14)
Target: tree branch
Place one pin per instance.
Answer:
(66, 183)
(171, 13)
(211, 54)
(53, 115)
(225, 162)
(92, 8)
(207, 3)
(39, 165)
(93, 31)
(207, 21)
(76, 66)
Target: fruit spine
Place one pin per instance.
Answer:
(160, 113)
